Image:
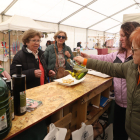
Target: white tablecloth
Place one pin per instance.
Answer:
(94, 52)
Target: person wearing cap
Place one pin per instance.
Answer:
(32, 60)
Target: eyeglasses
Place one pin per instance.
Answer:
(63, 37)
(34, 41)
(133, 50)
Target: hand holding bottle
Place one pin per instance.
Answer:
(85, 55)
(79, 59)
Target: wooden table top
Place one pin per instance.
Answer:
(54, 97)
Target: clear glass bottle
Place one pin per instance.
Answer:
(78, 71)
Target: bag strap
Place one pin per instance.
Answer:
(56, 55)
(1, 70)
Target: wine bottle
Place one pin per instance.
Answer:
(78, 71)
(19, 91)
(8, 82)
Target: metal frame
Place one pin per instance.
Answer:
(83, 7)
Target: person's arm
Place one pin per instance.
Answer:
(108, 57)
(113, 69)
(29, 73)
(5, 74)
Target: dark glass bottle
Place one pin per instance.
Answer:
(8, 82)
(5, 109)
(19, 91)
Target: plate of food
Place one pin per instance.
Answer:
(69, 80)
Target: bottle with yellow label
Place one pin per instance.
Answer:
(78, 71)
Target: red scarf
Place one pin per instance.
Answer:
(42, 75)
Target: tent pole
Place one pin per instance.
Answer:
(86, 37)
(9, 50)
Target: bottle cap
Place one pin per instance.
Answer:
(18, 69)
(4, 79)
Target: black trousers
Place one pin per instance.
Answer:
(119, 123)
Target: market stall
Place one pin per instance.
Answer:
(10, 35)
(66, 103)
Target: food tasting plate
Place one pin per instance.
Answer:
(66, 79)
(93, 72)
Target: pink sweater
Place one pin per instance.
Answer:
(120, 89)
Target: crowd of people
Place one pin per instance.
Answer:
(123, 65)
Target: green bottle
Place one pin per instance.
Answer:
(78, 71)
(5, 108)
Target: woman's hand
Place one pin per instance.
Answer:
(37, 73)
(85, 55)
(79, 59)
(51, 73)
(67, 54)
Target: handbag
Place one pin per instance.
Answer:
(56, 133)
(84, 133)
(61, 71)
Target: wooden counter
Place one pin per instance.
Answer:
(55, 97)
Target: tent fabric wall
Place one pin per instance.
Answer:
(70, 33)
(131, 17)
(22, 23)
(74, 34)
(80, 36)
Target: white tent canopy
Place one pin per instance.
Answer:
(131, 17)
(99, 15)
(22, 23)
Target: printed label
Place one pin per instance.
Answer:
(22, 102)
(12, 106)
(3, 119)
(53, 138)
(85, 135)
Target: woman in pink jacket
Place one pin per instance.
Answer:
(123, 55)
(5, 74)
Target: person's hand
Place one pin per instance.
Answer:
(67, 54)
(51, 73)
(85, 55)
(37, 73)
(79, 59)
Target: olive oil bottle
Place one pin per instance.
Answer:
(8, 82)
(78, 71)
(19, 91)
(5, 109)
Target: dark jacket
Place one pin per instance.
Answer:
(29, 64)
(129, 71)
(50, 56)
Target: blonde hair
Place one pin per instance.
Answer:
(56, 34)
(30, 34)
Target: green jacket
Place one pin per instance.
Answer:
(50, 56)
(129, 71)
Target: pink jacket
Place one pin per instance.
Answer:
(120, 89)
